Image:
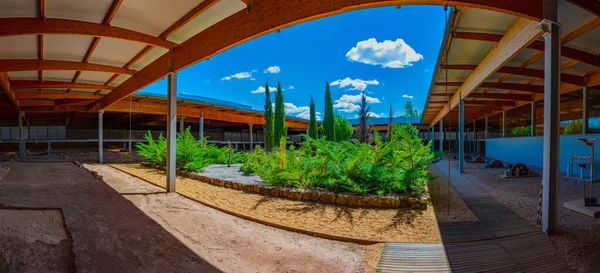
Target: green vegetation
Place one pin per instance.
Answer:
(574, 127)
(192, 155)
(328, 116)
(342, 128)
(390, 123)
(279, 125)
(312, 127)
(410, 112)
(363, 115)
(396, 166)
(521, 131)
(268, 116)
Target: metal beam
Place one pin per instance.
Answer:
(201, 126)
(533, 118)
(498, 85)
(171, 131)
(251, 137)
(441, 135)
(461, 136)
(101, 136)
(585, 126)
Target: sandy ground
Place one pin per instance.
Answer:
(34, 241)
(448, 205)
(236, 245)
(578, 240)
(110, 156)
(384, 225)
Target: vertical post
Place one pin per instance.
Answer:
(171, 131)
(251, 140)
(441, 135)
(201, 125)
(21, 141)
(475, 143)
(585, 126)
(533, 118)
(181, 125)
(485, 130)
(551, 116)
(503, 123)
(461, 135)
(101, 136)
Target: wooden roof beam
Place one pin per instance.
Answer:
(243, 26)
(5, 84)
(497, 96)
(489, 103)
(571, 53)
(34, 26)
(518, 37)
(35, 103)
(500, 85)
(535, 73)
(54, 95)
(10, 65)
(27, 84)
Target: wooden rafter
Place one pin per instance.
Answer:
(6, 86)
(243, 26)
(489, 103)
(54, 95)
(535, 73)
(518, 37)
(35, 103)
(497, 85)
(497, 96)
(566, 51)
(8, 65)
(28, 84)
(34, 26)
(41, 15)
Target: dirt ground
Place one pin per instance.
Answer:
(384, 225)
(448, 205)
(127, 225)
(578, 239)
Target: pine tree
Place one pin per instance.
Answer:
(363, 116)
(268, 115)
(328, 117)
(279, 126)
(312, 127)
(390, 122)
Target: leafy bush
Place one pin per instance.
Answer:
(343, 128)
(192, 155)
(521, 131)
(574, 127)
(397, 166)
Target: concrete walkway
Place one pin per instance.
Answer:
(500, 241)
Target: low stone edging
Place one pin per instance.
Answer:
(384, 202)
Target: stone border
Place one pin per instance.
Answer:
(369, 201)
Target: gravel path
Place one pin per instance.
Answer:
(232, 173)
(444, 198)
(3, 171)
(579, 235)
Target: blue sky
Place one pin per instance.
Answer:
(387, 52)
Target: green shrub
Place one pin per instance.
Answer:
(343, 128)
(521, 131)
(574, 127)
(192, 155)
(397, 166)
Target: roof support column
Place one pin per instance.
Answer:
(485, 129)
(21, 140)
(461, 135)
(201, 126)
(251, 140)
(551, 116)
(181, 124)
(585, 126)
(171, 131)
(441, 136)
(503, 123)
(101, 136)
(533, 118)
(475, 143)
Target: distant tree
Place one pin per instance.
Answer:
(328, 116)
(268, 116)
(279, 126)
(343, 128)
(390, 123)
(363, 116)
(312, 127)
(410, 112)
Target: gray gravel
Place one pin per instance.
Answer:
(232, 173)
(3, 171)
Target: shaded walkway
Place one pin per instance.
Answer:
(500, 241)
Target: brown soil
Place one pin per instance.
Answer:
(578, 238)
(384, 225)
(443, 198)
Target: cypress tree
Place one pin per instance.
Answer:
(279, 126)
(328, 117)
(268, 115)
(312, 127)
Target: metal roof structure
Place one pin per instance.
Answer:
(472, 38)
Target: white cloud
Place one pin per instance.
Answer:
(374, 115)
(350, 103)
(291, 87)
(252, 79)
(239, 75)
(355, 84)
(261, 89)
(408, 97)
(392, 54)
(299, 111)
(273, 69)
